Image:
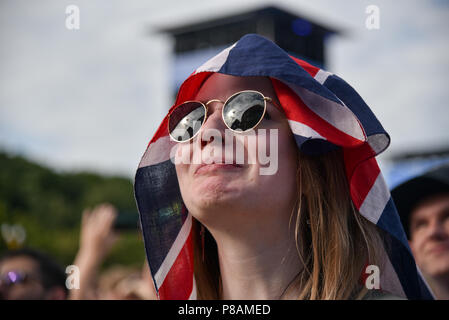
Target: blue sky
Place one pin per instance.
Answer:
(92, 98)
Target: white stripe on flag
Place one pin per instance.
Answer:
(376, 200)
(378, 142)
(215, 63)
(158, 151)
(389, 280)
(174, 251)
(193, 294)
(304, 130)
(336, 114)
(425, 282)
(322, 75)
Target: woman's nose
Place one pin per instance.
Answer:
(214, 119)
(214, 126)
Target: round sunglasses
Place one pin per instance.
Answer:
(243, 111)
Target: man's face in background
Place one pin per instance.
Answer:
(429, 230)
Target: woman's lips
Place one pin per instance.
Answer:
(205, 168)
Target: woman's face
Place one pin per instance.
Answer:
(225, 195)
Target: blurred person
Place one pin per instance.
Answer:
(118, 283)
(123, 283)
(97, 237)
(147, 289)
(423, 205)
(27, 274)
(222, 229)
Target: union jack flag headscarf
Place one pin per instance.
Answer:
(320, 108)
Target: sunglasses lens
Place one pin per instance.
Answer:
(244, 110)
(186, 120)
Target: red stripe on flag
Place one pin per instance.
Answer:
(296, 110)
(190, 87)
(362, 172)
(178, 283)
(312, 70)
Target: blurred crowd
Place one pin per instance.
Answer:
(33, 275)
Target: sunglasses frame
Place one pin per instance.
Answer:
(265, 99)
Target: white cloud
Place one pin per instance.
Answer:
(90, 98)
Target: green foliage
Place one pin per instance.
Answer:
(49, 206)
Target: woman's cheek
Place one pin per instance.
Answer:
(181, 153)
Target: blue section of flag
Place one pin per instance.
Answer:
(314, 147)
(404, 265)
(400, 254)
(161, 209)
(267, 59)
(353, 101)
(390, 222)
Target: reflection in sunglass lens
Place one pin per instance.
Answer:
(243, 111)
(186, 120)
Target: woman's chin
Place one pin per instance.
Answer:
(217, 192)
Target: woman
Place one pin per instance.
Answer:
(315, 222)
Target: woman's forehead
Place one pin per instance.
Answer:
(222, 86)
